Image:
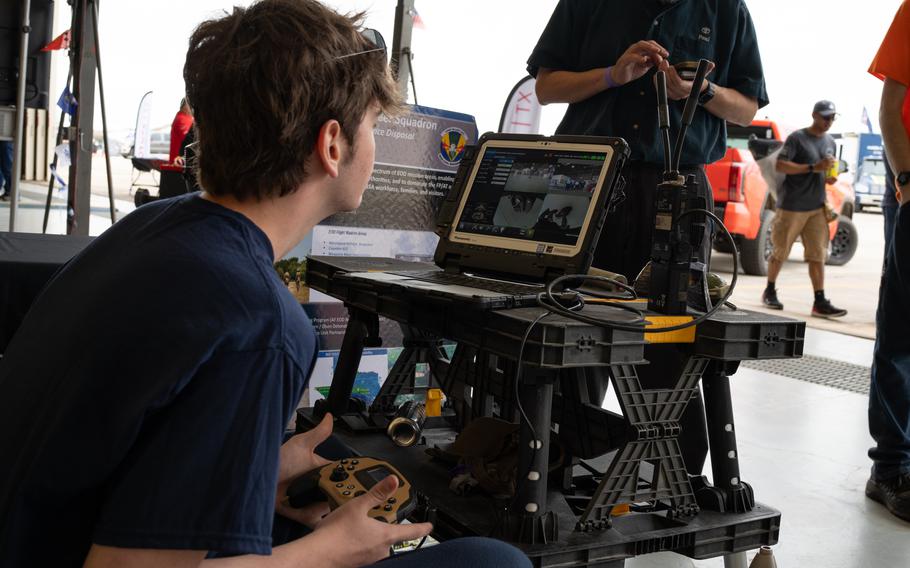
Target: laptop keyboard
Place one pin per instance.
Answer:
(441, 277)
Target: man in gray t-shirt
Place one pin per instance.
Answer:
(806, 158)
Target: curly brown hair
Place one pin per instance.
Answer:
(262, 81)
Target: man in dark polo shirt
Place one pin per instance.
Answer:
(600, 56)
(806, 158)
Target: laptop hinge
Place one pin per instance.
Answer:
(452, 266)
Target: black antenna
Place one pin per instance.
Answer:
(663, 118)
(689, 110)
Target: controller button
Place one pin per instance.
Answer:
(391, 500)
(339, 485)
(345, 493)
(387, 508)
(355, 462)
(351, 468)
(350, 487)
(344, 461)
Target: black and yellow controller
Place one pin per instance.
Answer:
(343, 480)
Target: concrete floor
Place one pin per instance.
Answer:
(30, 213)
(853, 286)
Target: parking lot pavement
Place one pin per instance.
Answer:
(853, 287)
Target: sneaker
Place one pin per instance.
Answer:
(893, 493)
(769, 299)
(825, 309)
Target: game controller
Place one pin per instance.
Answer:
(343, 480)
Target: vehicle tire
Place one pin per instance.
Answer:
(721, 244)
(843, 245)
(754, 253)
(847, 210)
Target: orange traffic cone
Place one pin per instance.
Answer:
(764, 559)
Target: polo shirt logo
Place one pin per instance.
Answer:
(705, 34)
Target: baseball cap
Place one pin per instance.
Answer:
(824, 108)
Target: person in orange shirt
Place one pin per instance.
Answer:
(889, 392)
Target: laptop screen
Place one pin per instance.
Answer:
(532, 197)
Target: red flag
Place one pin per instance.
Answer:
(417, 20)
(62, 41)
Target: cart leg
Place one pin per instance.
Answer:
(736, 560)
(732, 494)
(530, 521)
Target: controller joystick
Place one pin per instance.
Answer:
(338, 474)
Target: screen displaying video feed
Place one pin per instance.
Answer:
(532, 194)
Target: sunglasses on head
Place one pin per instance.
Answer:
(374, 38)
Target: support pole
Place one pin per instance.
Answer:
(20, 116)
(52, 181)
(401, 45)
(107, 153)
(80, 187)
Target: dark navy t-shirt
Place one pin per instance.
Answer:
(144, 398)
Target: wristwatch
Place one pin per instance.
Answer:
(902, 178)
(707, 94)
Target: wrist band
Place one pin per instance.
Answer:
(611, 84)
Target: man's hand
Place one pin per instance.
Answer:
(296, 458)
(824, 165)
(637, 60)
(677, 87)
(365, 539)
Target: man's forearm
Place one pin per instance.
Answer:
(556, 86)
(310, 550)
(732, 106)
(791, 168)
(894, 134)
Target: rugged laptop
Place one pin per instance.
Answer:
(523, 210)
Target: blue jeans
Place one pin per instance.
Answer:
(889, 212)
(6, 165)
(459, 553)
(889, 393)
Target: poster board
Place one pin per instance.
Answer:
(417, 155)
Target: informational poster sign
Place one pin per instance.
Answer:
(417, 155)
